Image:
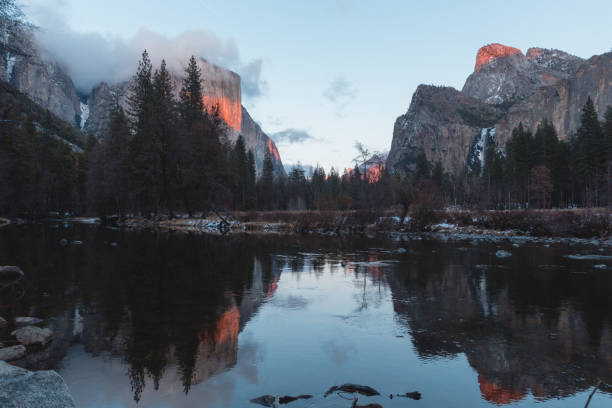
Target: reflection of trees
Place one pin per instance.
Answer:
(158, 300)
(524, 328)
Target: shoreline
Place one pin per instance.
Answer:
(578, 226)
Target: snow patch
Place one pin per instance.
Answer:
(589, 257)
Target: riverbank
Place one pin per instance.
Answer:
(546, 226)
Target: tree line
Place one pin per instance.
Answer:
(539, 170)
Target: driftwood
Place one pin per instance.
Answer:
(287, 399)
(352, 388)
(592, 393)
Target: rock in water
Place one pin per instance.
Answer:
(502, 254)
(265, 400)
(352, 388)
(287, 399)
(22, 321)
(12, 353)
(415, 395)
(32, 336)
(20, 388)
(10, 275)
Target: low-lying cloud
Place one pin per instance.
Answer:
(341, 93)
(291, 136)
(92, 58)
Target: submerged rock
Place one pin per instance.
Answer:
(353, 388)
(31, 336)
(502, 254)
(20, 388)
(23, 321)
(12, 353)
(287, 399)
(265, 400)
(415, 395)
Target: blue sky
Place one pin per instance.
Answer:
(342, 70)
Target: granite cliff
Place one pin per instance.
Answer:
(50, 85)
(506, 88)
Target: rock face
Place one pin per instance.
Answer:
(220, 87)
(441, 122)
(48, 84)
(20, 388)
(504, 75)
(562, 102)
(505, 89)
(259, 142)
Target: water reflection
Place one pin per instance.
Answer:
(162, 314)
(525, 327)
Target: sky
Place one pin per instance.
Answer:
(319, 75)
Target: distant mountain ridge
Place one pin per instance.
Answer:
(506, 88)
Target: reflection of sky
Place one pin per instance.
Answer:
(320, 328)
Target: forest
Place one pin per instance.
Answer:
(163, 156)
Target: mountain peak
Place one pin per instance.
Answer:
(493, 51)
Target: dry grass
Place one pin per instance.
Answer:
(581, 223)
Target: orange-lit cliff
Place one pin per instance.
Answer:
(490, 52)
(221, 87)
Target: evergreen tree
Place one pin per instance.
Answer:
(191, 105)
(240, 170)
(590, 155)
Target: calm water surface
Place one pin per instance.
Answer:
(172, 320)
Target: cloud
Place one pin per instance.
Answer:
(341, 93)
(91, 57)
(292, 136)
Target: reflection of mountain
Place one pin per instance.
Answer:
(525, 335)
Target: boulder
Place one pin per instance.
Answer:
(12, 353)
(22, 321)
(20, 388)
(32, 336)
(10, 275)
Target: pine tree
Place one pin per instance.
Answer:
(240, 170)
(266, 183)
(191, 105)
(590, 156)
(250, 182)
(164, 119)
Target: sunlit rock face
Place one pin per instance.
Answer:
(221, 88)
(504, 75)
(508, 88)
(490, 52)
